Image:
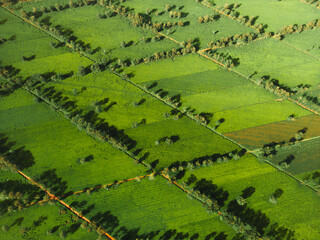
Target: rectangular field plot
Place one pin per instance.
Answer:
(307, 41)
(190, 13)
(109, 33)
(34, 46)
(277, 132)
(190, 141)
(280, 61)
(256, 115)
(23, 40)
(228, 98)
(179, 66)
(55, 144)
(150, 208)
(120, 99)
(276, 14)
(301, 158)
(200, 82)
(295, 209)
(36, 221)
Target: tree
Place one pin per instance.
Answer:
(82, 71)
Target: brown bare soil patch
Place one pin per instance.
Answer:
(276, 132)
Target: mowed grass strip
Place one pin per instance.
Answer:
(56, 144)
(153, 206)
(296, 209)
(284, 63)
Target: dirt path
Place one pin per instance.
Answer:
(53, 197)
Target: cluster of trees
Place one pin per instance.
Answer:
(14, 159)
(224, 58)
(313, 179)
(307, 98)
(166, 25)
(314, 2)
(17, 195)
(64, 35)
(177, 169)
(236, 39)
(210, 18)
(275, 196)
(271, 149)
(175, 14)
(10, 84)
(256, 222)
(295, 28)
(274, 86)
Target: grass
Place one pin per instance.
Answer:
(282, 62)
(153, 206)
(194, 141)
(51, 218)
(276, 132)
(228, 98)
(56, 144)
(276, 14)
(121, 98)
(191, 11)
(29, 42)
(109, 33)
(199, 82)
(180, 66)
(296, 208)
(256, 115)
(306, 40)
(305, 157)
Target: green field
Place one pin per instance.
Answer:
(154, 206)
(282, 62)
(113, 103)
(296, 208)
(56, 144)
(306, 41)
(276, 14)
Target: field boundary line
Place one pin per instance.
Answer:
(52, 196)
(111, 184)
(309, 4)
(225, 14)
(303, 106)
(300, 50)
(93, 188)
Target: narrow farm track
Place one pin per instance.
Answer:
(53, 197)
